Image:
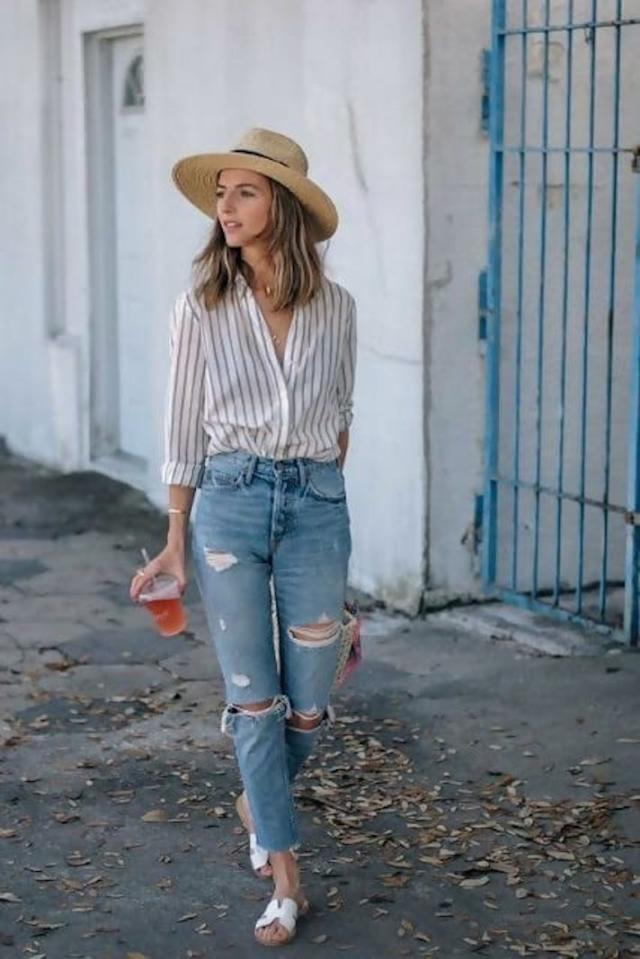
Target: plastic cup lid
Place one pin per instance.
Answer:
(162, 586)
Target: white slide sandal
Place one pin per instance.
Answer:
(286, 911)
(258, 855)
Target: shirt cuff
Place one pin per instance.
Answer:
(345, 418)
(181, 474)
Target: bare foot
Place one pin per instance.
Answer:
(287, 883)
(242, 808)
(275, 933)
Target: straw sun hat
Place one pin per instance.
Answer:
(263, 151)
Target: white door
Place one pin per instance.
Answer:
(119, 256)
(131, 257)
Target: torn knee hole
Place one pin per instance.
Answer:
(301, 720)
(316, 634)
(305, 721)
(260, 710)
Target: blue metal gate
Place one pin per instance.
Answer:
(561, 519)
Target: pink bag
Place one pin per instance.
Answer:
(351, 650)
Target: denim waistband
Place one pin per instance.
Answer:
(268, 467)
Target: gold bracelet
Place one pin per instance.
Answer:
(172, 509)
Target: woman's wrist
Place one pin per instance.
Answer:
(176, 539)
(177, 532)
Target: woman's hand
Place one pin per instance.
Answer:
(171, 560)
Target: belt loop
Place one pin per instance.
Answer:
(250, 469)
(302, 472)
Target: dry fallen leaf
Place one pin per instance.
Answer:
(560, 854)
(9, 897)
(77, 859)
(65, 817)
(472, 883)
(156, 815)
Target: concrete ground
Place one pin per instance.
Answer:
(476, 795)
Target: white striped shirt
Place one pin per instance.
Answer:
(228, 391)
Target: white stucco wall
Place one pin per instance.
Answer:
(344, 78)
(456, 167)
(26, 414)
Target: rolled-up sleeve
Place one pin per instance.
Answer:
(346, 374)
(185, 440)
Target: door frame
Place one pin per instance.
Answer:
(103, 449)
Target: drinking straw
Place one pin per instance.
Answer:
(147, 560)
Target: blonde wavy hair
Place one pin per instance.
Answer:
(298, 270)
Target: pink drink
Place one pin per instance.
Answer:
(162, 599)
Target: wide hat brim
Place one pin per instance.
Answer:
(195, 177)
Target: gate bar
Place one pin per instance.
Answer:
(565, 302)
(587, 305)
(611, 317)
(633, 486)
(492, 418)
(520, 295)
(541, 301)
(563, 494)
(592, 24)
(606, 150)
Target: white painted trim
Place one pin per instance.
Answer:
(103, 366)
(102, 15)
(53, 235)
(79, 19)
(104, 452)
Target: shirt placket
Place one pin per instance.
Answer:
(284, 400)
(285, 411)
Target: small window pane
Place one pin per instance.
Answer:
(134, 84)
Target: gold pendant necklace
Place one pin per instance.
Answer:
(274, 336)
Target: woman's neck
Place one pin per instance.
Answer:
(259, 267)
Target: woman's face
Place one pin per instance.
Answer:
(243, 201)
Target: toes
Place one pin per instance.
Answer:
(269, 933)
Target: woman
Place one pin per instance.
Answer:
(258, 414)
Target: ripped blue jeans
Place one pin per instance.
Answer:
(273, 537)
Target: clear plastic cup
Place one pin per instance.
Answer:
(163, 600)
